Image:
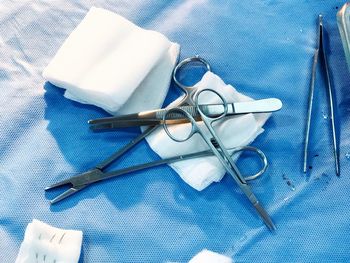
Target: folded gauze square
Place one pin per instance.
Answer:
(107, 58)
(45, 243)
(239, 130)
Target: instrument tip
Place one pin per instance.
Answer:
(265, 217)
(57, 199)
(305, 164)
(272, 227)
(320, 19)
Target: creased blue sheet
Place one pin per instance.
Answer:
(262, 47)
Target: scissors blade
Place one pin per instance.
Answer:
(134, 116)
(156, 117)
(234, 172)
(148, 116)
(236, 175)
(265, 216)
(135, 123)
(124, 124)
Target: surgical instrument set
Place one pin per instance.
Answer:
(185, 111)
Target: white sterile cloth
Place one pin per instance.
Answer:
(107, 61)
(207, 256)
(45, 243)
(234, 131)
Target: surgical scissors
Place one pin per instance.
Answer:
(155, 117)
(186, 100)
(82, 181)
(216, 146)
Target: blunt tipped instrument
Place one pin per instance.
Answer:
(321, 54)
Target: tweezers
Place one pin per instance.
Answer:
(321, 52)
(155, 117)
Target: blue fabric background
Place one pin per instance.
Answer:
(264, 48)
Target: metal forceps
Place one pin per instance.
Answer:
(321, 49)
(217, 147)
(84, 180)
(97, 171)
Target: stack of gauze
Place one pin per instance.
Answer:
(109, 62)
(45, 243)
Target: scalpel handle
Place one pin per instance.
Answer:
(256, 106)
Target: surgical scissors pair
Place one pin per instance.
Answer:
(155, 117)
(216, 146)
(186, 100)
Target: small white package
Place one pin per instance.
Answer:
(45, 243)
